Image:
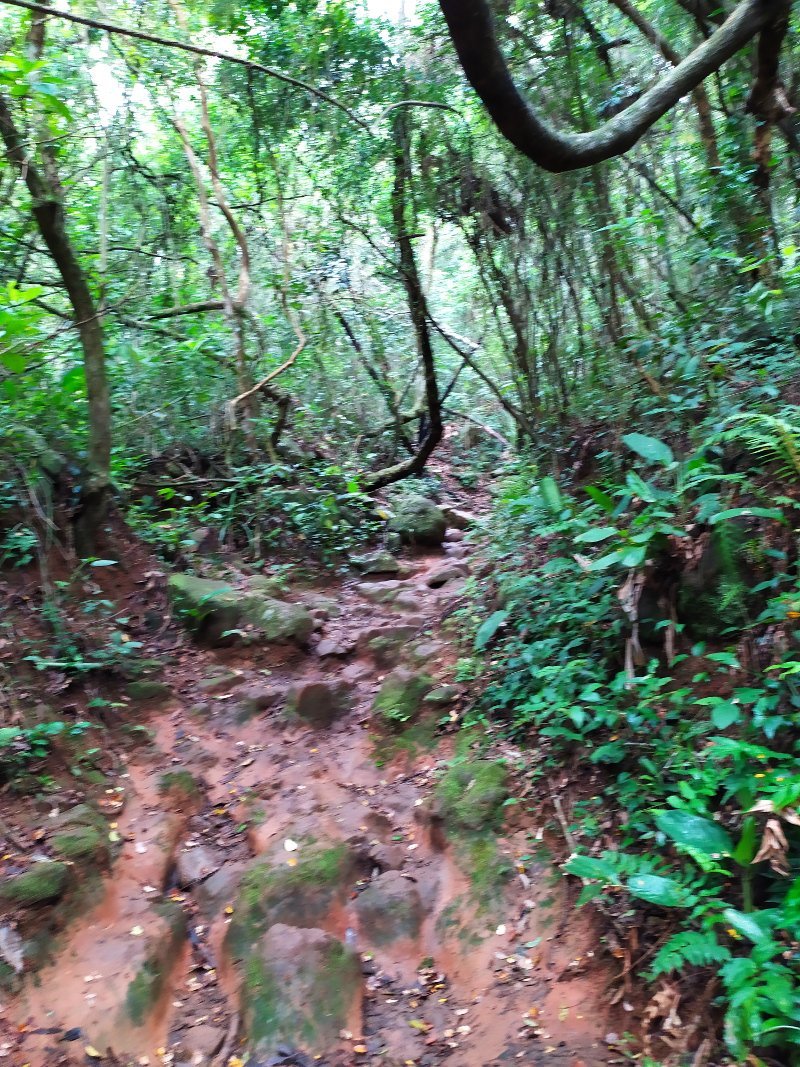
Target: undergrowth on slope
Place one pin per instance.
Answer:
(641, 636)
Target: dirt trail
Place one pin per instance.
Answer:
(496, 978)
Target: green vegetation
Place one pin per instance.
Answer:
(653, 642)
(280, 285)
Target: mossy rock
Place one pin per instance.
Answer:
(218, 614)
(44, 881)
(301, 987)
(80, 844)
(144, 690)
(268, 585)
(303, 895)
(180, 784)
(378, 562)
(471, 795)
(401, 697)
(419, 521)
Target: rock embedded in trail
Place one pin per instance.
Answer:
(376, 563)
(219, 614)
(400, 697)
(461, 520)
(389, 909)
(81, 836)
(302, 987)
(319, 701)
(44, 881)
(386, 644)
(193, 865)
(471, 795)
(218, 891)
(447, 572)
(332, 646)
(304, 894)
(419, 521)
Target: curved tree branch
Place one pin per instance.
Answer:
(472, 30)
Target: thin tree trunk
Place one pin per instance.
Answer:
(48, 212)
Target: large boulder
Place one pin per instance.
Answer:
(217, 613)
(389, 909)
(418, 521)
(301, 987)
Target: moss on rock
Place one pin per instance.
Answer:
(180, 784)
(418, 521)
(471, 795)
(301, 986)
(401, 695)
(302, 895)
(146, 689)
(219, 614)
(44, 881)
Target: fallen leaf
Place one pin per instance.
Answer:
(137, 931)
(92, 1053)
(419, 1024)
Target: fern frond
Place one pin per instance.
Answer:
(688, 947)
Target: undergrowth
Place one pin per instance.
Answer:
(641, 634)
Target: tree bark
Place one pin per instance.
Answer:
(48, 212)
(472, 30)
(418, 309)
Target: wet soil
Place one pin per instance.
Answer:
(507, 975)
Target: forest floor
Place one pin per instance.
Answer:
(497, 965)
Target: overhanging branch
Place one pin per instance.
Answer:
(473, 32)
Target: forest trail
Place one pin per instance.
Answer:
(476, 968)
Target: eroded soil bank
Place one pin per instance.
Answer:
(299, 867)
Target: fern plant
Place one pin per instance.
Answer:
(771, 438)
(693, 947)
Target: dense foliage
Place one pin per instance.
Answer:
(236, 304)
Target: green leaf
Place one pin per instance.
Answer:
(591, 537)
(759, 513)
(552, 494)
(601, 498)
(656, 889)
(634, 556)
(747, 925)
(13, 361)
(104, 563)
(590, 867)
(649, 448)
(488, 628)
(748, 843)
(696, 833)
(725, 714)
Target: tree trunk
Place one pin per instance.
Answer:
(48, 211)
